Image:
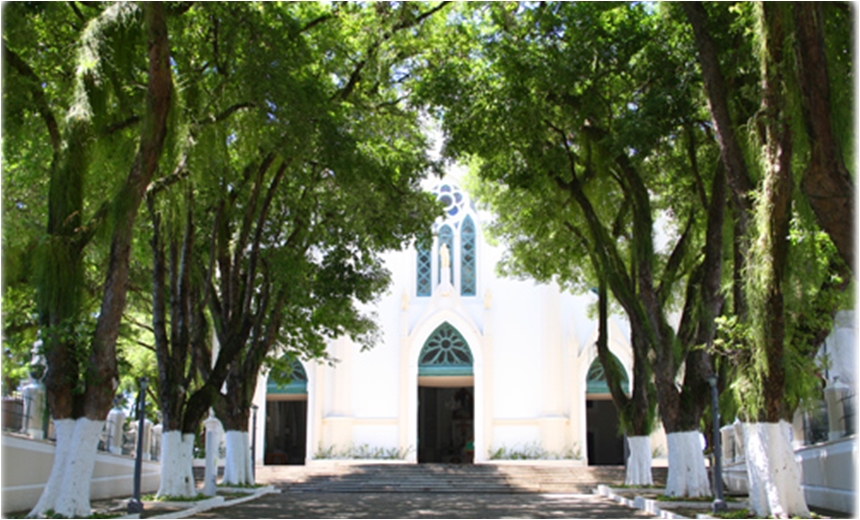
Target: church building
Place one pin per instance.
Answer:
(470, 367)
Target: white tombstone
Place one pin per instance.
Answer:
(155, 446)
(834, 396)
(34, 409)
(147, 440)
(114, 429)
(727, 443)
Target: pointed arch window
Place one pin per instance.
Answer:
(596, 378)
(446, 236)
(297, 377)
(445, 353)
(468, 273)
(424, 278)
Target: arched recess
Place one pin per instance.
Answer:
(604, 442)
(446, 398)
(410, 380)
(286, 430)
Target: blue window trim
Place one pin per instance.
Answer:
(424, 271)
(468, 257)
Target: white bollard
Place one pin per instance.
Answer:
(155, 446)
(213, 442)
(147, 440)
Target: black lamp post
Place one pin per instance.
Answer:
(135, 505)
(719, 504)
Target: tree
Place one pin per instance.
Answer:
(351, 185)
(271, 228)
(81, 364)
(780, 335)
(578, 114)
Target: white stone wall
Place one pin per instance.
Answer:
(113, 475)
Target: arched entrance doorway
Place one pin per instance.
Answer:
(605, 444)
(286, 416)
(446, 398)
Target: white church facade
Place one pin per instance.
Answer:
(470, 367)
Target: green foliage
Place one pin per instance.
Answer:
(534, 451)
(364, 451)
(20, 327)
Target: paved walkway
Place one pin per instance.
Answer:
(425, 505)
(432, 491)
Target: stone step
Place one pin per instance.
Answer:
(443, 478)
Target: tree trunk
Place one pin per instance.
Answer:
(773, 473)
(73, 493)
(67, 491)
(636, 418)
(638, 471)
(687, 474)
(718, 102)
(826, 183)
(773, 470)
(177, 476)
(238, 466)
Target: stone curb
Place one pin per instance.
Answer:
(215, 502)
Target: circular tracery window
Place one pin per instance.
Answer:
(445, 347)
(453, 200)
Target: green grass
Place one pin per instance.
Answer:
(666, 498)
(174, 498)
(242, 486)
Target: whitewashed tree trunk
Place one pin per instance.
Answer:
(237, 466)
(639, 462)
(67, 491)
(74, 499)
(64, 429)
(774, 475)
(687, 474)
(177, 473)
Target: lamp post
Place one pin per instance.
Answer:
(719, 504)
(135, 505)
(254, 443)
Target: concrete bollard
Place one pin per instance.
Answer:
(147, 440)
(155, 446)
(213, 443)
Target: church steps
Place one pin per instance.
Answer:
(442, 478)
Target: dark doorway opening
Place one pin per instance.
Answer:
(605, 444)
(446, 425)
(286, 432)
